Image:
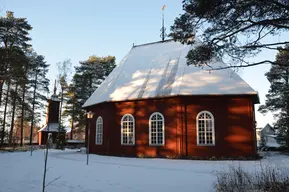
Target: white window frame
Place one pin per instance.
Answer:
(163, 130)
(99, 121)
(121, 133)
(213, 129)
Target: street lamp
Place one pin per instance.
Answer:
(89, 117)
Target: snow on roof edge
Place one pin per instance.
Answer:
(168, 40)
(170, 96)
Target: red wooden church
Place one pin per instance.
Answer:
(154, 104)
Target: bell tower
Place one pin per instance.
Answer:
(52, 122)
(52, 115)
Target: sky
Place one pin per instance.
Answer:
(75, 30)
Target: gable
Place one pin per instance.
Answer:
(267, 130)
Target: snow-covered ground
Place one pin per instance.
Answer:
(19, 172)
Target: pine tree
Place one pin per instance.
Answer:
(278, 96)
(24, 105)
(232, 30)
(39, 84)
(69, 108)
(23, 82)
(14, 38)
(13, 42)
(63, 71)
(14, 94)
(88, 76)
(4, 123)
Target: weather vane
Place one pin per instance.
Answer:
(163, 29)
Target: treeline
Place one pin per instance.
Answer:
(24, 86)
(23, 81)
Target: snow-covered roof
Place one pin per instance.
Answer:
(160, 70)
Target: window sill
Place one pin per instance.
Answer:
(124, 144)
(206, 145)
(156, 145)
(98, 144)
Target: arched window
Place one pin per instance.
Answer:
(99, 131)
(157, 129)
(205, 128)
(127, 130)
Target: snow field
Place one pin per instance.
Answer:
(20, 172)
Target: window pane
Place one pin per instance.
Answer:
(127, 129)
(208, 116)
(98, 132)
(201, 116)
(156, 128)
(159, 117)
(160, 124)
(205, 128)
(153, 140)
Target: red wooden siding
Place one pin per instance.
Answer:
(233, 117)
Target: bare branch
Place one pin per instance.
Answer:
(233, 33)
(53, 181)
(275, 48)
(264, 45)
(264, 23)
(272, 22)
(259, 35)
(247, 65)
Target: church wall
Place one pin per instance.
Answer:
(141, 110)
(233, 126)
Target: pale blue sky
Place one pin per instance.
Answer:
(68, 29)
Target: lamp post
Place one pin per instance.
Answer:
(89, 117)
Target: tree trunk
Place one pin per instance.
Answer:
(13, 114)
(60, 110)
(22, 114)
(72, 121)
(33, 108)
(58, 143)
(1, 89)
(23, 105)
(287, 108)
(4, 116)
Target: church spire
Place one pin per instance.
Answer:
(54, 96)
(163, 29)
(54, 91)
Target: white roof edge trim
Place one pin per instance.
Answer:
(145, 98)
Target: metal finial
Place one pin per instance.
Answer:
(163, 29)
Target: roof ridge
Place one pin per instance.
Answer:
(153, 43)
